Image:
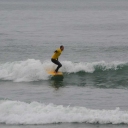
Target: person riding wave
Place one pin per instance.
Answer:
(55, 57)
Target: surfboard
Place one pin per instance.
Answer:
(55, 74)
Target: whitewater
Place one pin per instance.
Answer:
(16, 112)
(35, 70)
(94, 89)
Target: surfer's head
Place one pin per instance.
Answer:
(62, 47)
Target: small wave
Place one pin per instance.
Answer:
(71, 67)
(35, 70)
(16, 112)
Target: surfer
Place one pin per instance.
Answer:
(55, 57)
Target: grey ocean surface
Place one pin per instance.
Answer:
(94, 90)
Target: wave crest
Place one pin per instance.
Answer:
(16, 112)
(34, 70)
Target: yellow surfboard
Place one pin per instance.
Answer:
(55, 74)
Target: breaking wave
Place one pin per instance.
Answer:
(16, 112)
(35, 70)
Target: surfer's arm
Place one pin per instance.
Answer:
(56, 51)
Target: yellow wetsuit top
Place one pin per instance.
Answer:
(56, 54)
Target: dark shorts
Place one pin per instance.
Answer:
(56, 62)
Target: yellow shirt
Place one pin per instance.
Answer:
(56, 54)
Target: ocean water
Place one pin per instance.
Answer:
(93, 92)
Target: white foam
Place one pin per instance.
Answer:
(29, 70)
(16, 112)
(71, 67)
(34, 70)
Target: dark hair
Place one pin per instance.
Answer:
(61, 46)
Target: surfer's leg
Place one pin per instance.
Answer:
(57, 63)
(54, 61)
